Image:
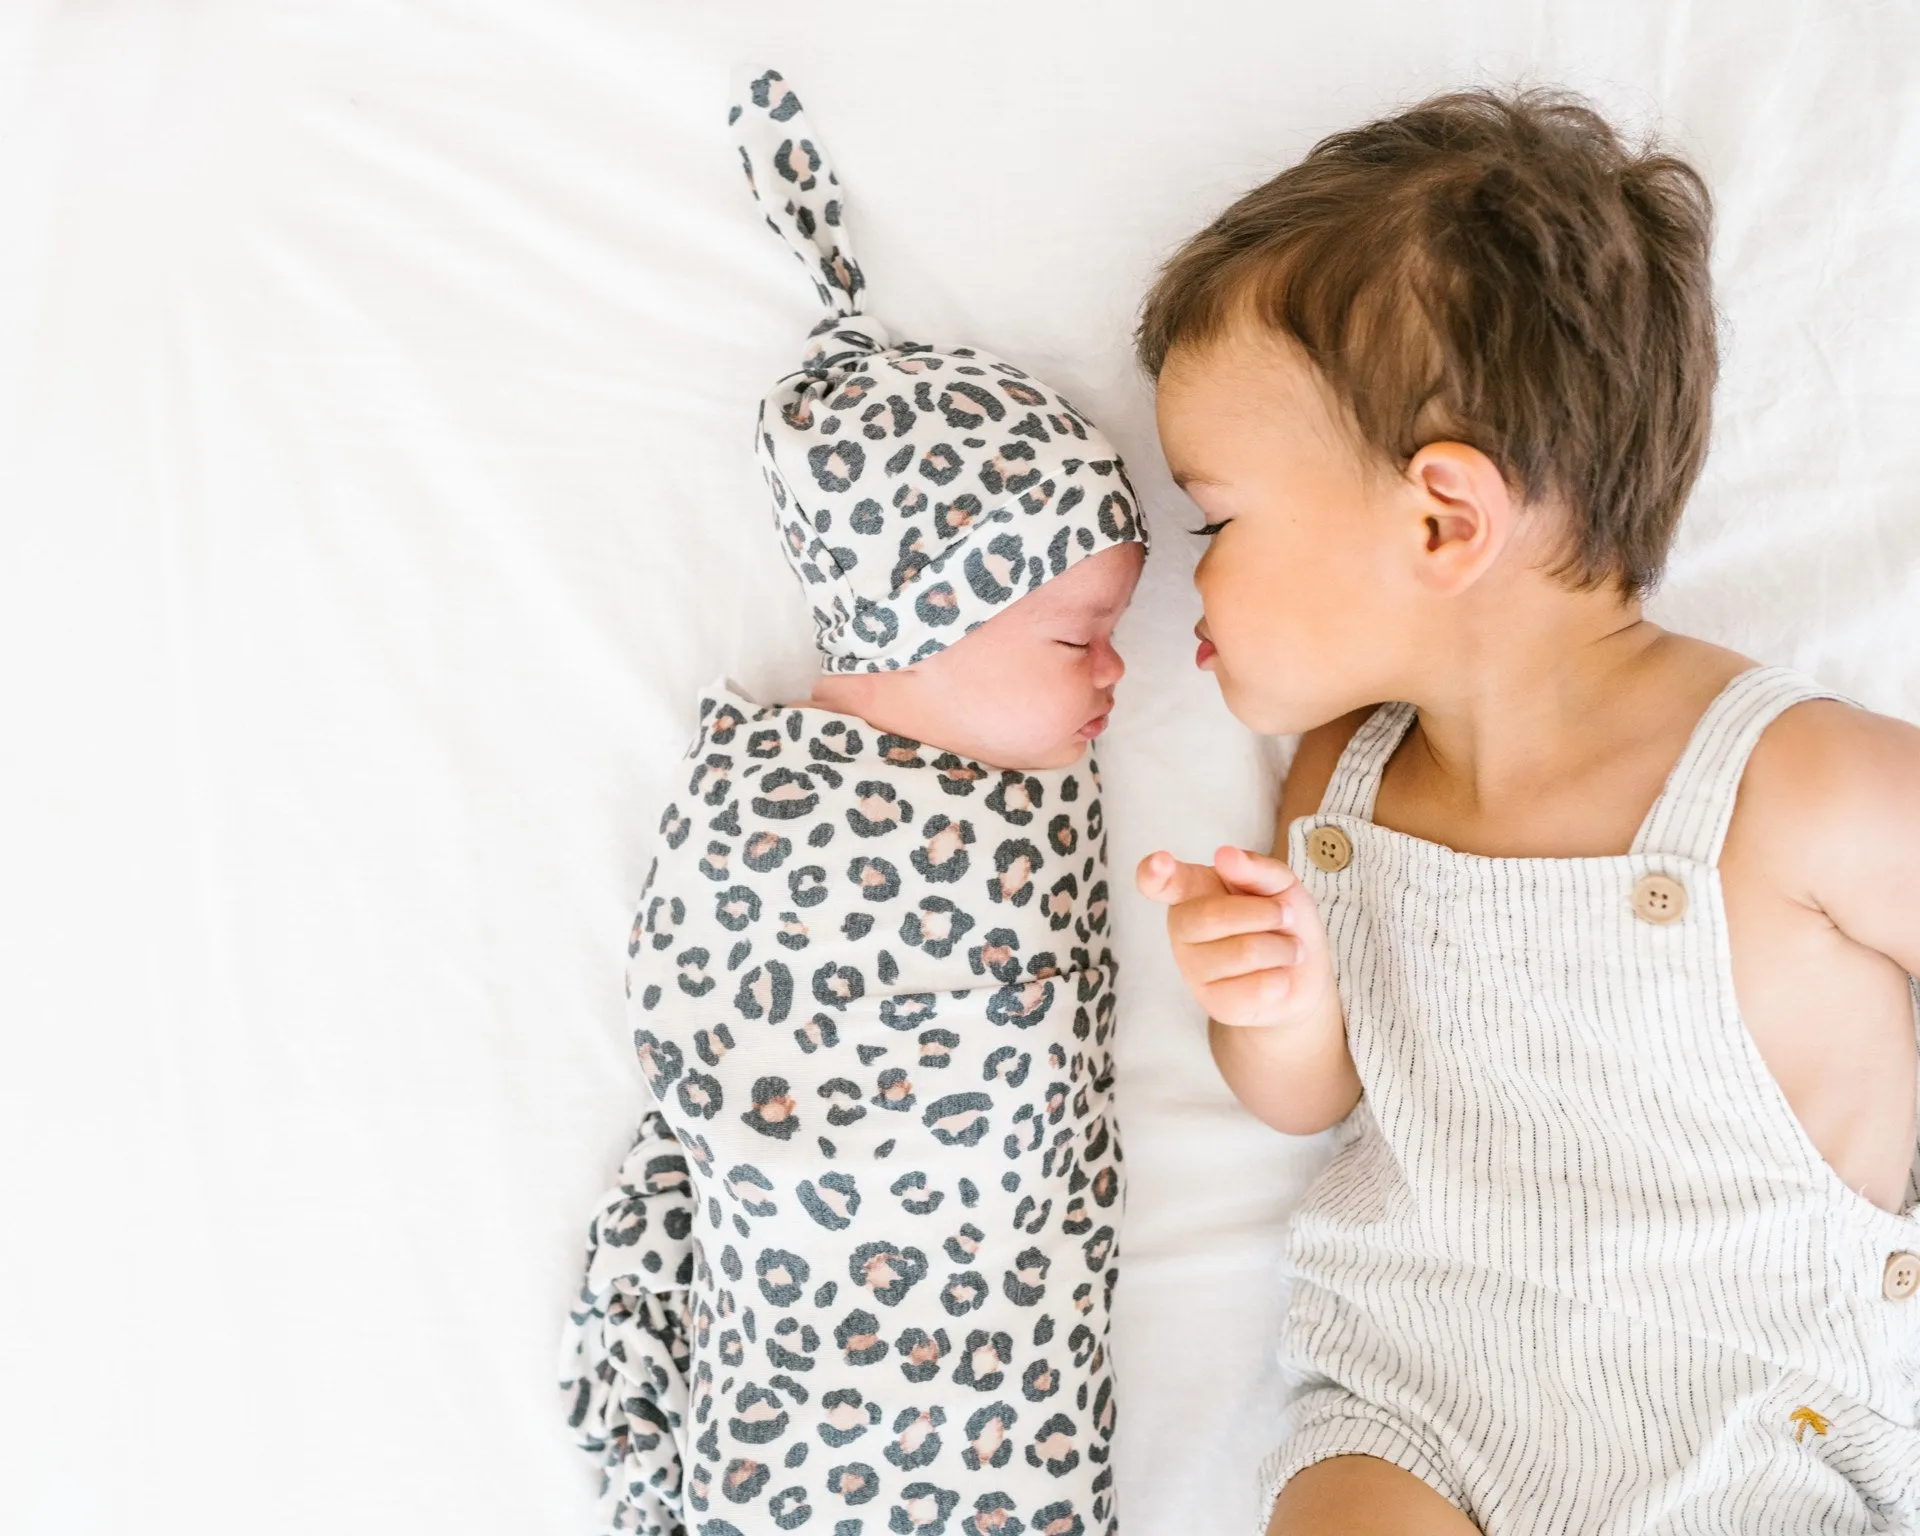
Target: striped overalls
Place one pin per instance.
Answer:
(1575, 1263)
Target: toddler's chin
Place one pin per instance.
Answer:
(1264, 717)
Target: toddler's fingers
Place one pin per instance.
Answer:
(1247, 1001)
(1221, 917)
(1244, 954)
(1254, 874)
(1162, 877)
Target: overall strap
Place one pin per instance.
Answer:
(1696, 805)
(1356, 777)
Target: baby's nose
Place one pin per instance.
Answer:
(1108, 665)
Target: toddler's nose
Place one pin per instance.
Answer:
(1108, 665)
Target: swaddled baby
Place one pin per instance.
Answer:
(856, 1274)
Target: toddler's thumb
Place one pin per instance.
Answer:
(1253, 874)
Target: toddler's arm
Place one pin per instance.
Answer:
(1829, 815)
(1250, 946)
(1854, 779)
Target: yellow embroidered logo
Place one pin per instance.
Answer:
(1804, 1419)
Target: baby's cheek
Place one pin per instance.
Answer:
(1071, 696)
(1054, 699)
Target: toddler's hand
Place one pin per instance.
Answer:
(1247, 937)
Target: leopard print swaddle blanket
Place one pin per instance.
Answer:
(857, 1272)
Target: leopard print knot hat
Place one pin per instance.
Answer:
(918, 490)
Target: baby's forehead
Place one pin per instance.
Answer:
(1097, 587)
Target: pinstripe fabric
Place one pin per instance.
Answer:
(1575, 1263)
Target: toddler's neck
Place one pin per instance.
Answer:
(1494, 705)
(1555, 750)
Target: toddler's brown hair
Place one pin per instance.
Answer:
(1493, 268)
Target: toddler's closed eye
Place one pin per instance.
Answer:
(1208, 530)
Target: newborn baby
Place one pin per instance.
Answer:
(857, 1271)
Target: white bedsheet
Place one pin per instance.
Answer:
(374, 403)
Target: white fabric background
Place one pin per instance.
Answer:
(375, 386)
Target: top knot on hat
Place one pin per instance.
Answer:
(918, 491)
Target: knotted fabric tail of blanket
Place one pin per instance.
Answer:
(624, 1353)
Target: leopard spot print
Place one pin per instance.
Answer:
(884, 1192)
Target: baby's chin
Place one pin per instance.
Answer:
(1002, 729)
(1030, 757)
(1065, 755)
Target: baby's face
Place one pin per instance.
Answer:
(1306, 579)
(1034, 684)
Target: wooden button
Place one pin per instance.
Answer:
(1659, 899)
(1329, 848)
(1902, 1277)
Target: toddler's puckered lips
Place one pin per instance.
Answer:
(1206, 651)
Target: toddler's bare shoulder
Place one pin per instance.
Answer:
(1830, 789)
(1825, 757)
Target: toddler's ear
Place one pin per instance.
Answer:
(1467, 514)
